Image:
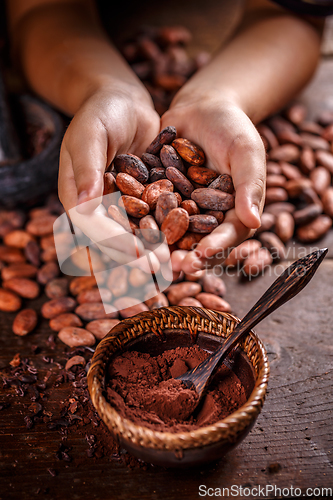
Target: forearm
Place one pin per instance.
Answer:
(261, 68)
(66, 56)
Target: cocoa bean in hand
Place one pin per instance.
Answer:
(180, 181)
(151, 161)
(165, 203)
(223, 183)
(119, 216)
(189, 151)
(149, 229)
(109, 184)
(201, 175)
(175, 225)
(166, 136)
(170, 158)
(129, 185)
(190, 206)
(157, 174)
(133, 206)
(202, 223)
(213, 199)
(189, 241)
(219, 216)
(131, 165)
(153, 191)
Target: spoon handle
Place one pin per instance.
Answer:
(285, 287)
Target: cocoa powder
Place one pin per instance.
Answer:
(143, 389)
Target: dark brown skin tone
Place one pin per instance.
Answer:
(68, 60)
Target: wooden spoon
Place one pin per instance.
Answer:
(285, 287)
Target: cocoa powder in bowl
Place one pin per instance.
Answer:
(143, 389)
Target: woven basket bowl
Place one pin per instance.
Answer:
(167, 328)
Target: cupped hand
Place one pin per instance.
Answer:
(232, 145)
(110, 122)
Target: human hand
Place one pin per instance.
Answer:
(108, 123)
(232, 145)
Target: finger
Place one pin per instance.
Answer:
(88, 149)
(248, 171)
(228, 235)
(177, 258)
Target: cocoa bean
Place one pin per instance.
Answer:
(286, 152)
(74, 361)
(273, 243)
(175, 225)
(157, 301)
(138, 278)
(9, 301)
(189, 241)
(128, 185)
(213, 199)
(189, 302)
(267, 222)
(109, 184)
(320, 178)
(153, 191)
(202, 223)
(149, 229)
(54, 307)
(296, 113)
(201, 175)
(11, 255)
(41, 226)
(133, 206)
(219, 216)
(179, 181)
(25, 322)
(280, 206)
(24, 287)
(307, 214)
(325, 159)
(312, 128)
(19, 271)
(165, 203)
(314, 142)
(267, 133)
(307, 161)
(211, 301)
(279, 124)
(275, 180)
(179, 198)
(223, 183)
(241, 252)
(121, 218)
(296, 187)
(129, 306)
(284, 226)
(94, 310)
(170, 158)
(189, 151)
(327, 199)
(157, 174)
(18, 238)
(289, 137)
(63, 320)
(151, 161)
(327, 132)
(75, 337)
(118, 281)
(213, 284)
(32, 253)
(131, 165)
(47, 272)
(101, 327)
(56, 288)
(275, 194)
(190, 206)
(273, 168)
(48, 255)
(94, 295)
(256, 262)
(314, 230)
(166, 136)
(185, 289)
(290, 171)
(81, 283)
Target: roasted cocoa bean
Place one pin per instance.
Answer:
(133, 206)
(110, 185)
(273, 243)
(219, 216)
(327, 199)
(81, 283)
(179, 181)
(257, 262)
(19, 271)
(25, 322)
(128, 185)
(189, 151)
(307, 214)
(157, 174)
(296, 113)
(185, 289)
(273, 168)
(94, 310)
(241, 252)
(213, 199)
(267, 222)
(189, 302)
(120, 217)
(153, 191)
(267, 133)
(18, 238)
(149, 229)
(131, 165)
(129, 306)
(94, 295)
(325, 159)
(75, 337)
(190, 206)
(118, 281)
(201, 175)
(284, 226)
(56, 288)
(213, 284)
(9, 301)
(138, 278)
(54, 307)
(307, 161)
(32, 253)
(151, 161)
(321, 179)
(159, 300)
(74, 361)
(101, 327)
(223, 183)
(280, 206)
(41, 226)
(24, 287)
(290, 171)
(11, 255)
(286, 152)
(47, 272)
(170, 158)
(314, 142)
(275, 194)
(275, 181)
(211, 301)
(175, 225)
(63, 320)
(166, 136)
(314, 230)
(202, 223)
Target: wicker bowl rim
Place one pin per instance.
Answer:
(195, 320)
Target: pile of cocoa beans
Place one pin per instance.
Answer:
(169, 189)
(159, 58)
(74, 308)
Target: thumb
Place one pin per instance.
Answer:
(248, 170)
